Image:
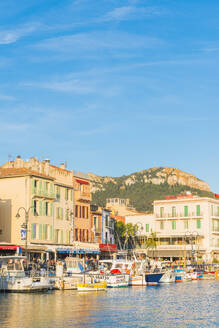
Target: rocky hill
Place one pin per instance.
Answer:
(143, 187)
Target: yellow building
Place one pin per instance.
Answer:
(58, 216)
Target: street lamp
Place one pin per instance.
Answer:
(191, 236)
(25, 224)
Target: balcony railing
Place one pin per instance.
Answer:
(83, 196)
(43, 193)
(178, 215)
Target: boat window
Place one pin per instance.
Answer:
(10, 265)
(18, 265)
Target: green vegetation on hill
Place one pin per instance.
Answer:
(141, 194)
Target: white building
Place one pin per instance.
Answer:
(145, 224)
(187, 226)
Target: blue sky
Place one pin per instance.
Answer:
(111, 86)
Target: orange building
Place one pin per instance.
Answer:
(82, 199)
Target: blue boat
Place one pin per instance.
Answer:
(153, 278)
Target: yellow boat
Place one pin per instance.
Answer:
(95, 286)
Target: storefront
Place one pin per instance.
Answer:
(107, 250)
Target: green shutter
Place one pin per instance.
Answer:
(186, 210)
(32, 206)
(198, 212)
(71, 195)
(173, 225)
(51, 209)
(147, 227)
(40, 187)
(51, 233)
(66, 194)
(40, 231)
(61, 236)
(40, 208)
(32, 231)
(198, 224)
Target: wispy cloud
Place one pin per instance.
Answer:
(130, 12)
(72, 86)
(98, 41)
(12, 35)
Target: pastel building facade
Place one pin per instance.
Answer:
(46, 192)
(187, 224)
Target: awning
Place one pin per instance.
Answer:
(77, 251)
(9, 247)
(82, 181)
(108, 247)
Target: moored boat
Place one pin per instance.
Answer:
(153, 278)
(13, 278)
(88, 287)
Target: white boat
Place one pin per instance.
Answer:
(117, 281)
(168, 277)
(137, 280)
(13, 278)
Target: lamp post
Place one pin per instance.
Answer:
(191, 236)
(25, 225)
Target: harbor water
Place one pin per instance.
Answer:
(192, 304)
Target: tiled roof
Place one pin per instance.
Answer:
(59, 168)
(10, 172)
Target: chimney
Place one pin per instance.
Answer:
(47, 162)
(19, 161)
(63, 166)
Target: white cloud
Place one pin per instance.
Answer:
(130, 12)
(11, 36)
(98, 41)
(71, 86)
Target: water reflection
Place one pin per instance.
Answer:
(193, 304)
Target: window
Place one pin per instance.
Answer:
(198, 224)
(198, 210)
(147, 227)
(161, 225)
(57, 192)
(173, 225)
(106, 237)
(212, 210)
(33, 231)
(217, 210)
(186, 224)
(107, 218)
(35, 207)
(76, 234)
(173, 211)
(76, 211)
(44, 231)
(51, 233)
(40, 231)
(186, 211)
(161, 212)
(66, 194)
(46, 208)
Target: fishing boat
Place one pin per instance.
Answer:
(168, 277)
(89, 287)
(153, 278)
(137, 280)
(117, 281)
(14, 279)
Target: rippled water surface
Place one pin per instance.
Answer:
(193, 304)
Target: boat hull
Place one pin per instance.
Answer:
(153, 278)
(89, 287)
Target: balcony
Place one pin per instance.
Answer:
(190, 215)
(43, 193)
(180, 247)
(83, 196)
(215, 230)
